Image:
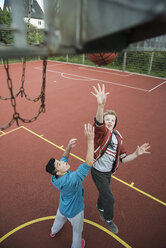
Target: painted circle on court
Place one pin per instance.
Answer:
(53, 217)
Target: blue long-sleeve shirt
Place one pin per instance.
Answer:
(71, 201)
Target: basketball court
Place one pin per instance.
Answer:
(45, 103)
(28, 199)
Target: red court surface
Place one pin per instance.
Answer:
(29, 201)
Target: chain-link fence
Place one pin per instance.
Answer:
(150, 63)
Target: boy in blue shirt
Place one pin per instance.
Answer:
(71, 201)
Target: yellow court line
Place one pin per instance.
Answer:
(10, 131)
(142, 192)
(127, 184)
(48, 141)
(108, 232)
(60, 147)
(24, 225)
(2, 132)
(53, 217)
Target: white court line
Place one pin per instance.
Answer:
(81, 77)
(16, 63)
(105, 68)
(40, 68)
(108, 72)
(53, 65)
(157, 86)
(109, 82)
(99, 80)
(123, 85)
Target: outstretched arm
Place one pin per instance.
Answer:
(101, 97)
(89, 133)
(71, 144)
(139, 151)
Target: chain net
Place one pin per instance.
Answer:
(16, 116)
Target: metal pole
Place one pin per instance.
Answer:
(83, 59)
(18, 24)
(78, 24)
(67, 58)
(124, 61)
(52, 25)
(151, 63)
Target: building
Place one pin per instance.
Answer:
(37, 15)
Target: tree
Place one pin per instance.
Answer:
(34, 35)
(6, 36)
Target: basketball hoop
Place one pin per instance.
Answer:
(16, 116)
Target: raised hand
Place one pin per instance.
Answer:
(72, 143)
(100, 94)
(89, 131)
(142, 149)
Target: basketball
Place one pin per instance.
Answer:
(102, 58)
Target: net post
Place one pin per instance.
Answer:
(17, 21)
(151, 63)
(52, 25)
(124, 61)
(83, 59)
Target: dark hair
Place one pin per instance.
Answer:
(50, 168)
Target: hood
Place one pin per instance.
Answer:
(60, 182)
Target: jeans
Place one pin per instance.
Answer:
(105, 199)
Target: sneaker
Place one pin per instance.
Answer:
(52, 235)
(112, 227)
(101, 212)
(82, 243)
